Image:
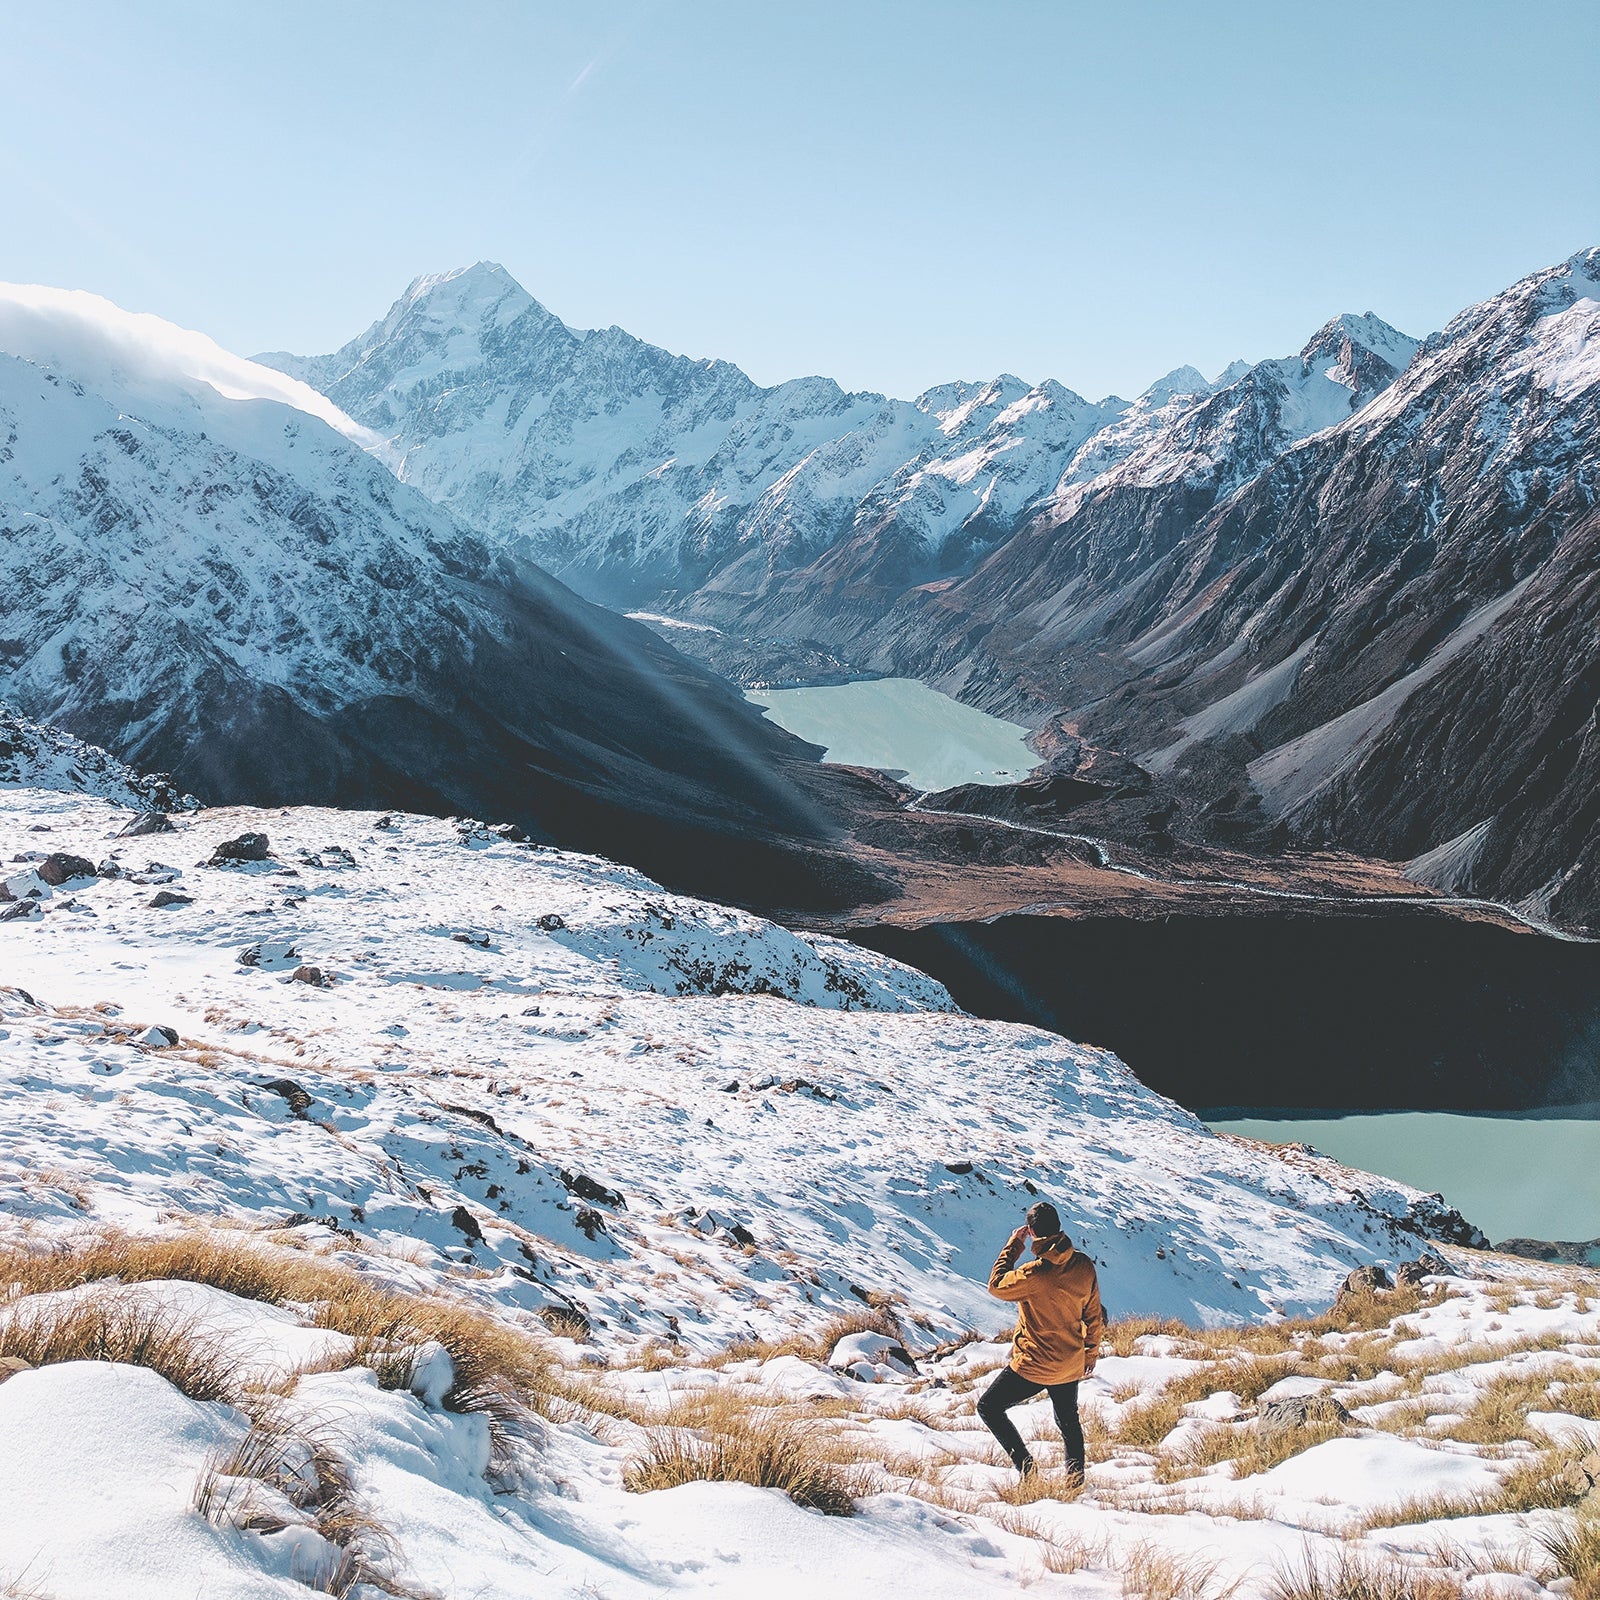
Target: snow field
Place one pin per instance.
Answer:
(559, 1168)
(544, 1073)
(429, 1509)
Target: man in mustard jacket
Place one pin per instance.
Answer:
(1059, 1323)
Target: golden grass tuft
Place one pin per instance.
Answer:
(1150, 1572)
(499, 1370)
(1575, 1550)
(302, 1467)
(1350, 1574)
(1041, 1484)
(110, 1327)
(769, 1453)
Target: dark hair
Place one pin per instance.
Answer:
(1042, 1219)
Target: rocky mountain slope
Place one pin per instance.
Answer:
(1384, 638)
(206, 571)
(34, 755)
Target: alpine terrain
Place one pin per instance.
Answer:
(1339, 598)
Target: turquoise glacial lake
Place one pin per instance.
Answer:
(901, 725)
(1531, 1176)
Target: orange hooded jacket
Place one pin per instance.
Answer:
(1059, 1319)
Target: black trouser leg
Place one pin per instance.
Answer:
(1009, 1389)
(1064, 1402)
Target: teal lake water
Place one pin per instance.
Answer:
(1529, 1177)
(900, 725)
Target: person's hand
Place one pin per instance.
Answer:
(1019, 1234)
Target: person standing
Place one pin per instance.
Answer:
(1059, 1324)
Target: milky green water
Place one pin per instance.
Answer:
(1529, 1177)
(900, 725)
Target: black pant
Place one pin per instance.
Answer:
(1011, 1388)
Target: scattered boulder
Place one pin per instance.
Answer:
(567, 1322)
(551, 923)
(165, 897)
(590, 1222)
(466, 1224)
(959, 1168)
(61, 867)
(1409, 1274)
(108, 869)
(296, 1098)
(311, 975)
(587, 1188)
(146, 822)
(20, 910)
(474, 936)
(269, 956)
(26, 885)
(1362, 1282)
(384, 823)
(1300, 1411)
(247, 847)
(157, 1036)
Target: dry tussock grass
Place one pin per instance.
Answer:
(1541, 1482)
(817, 1346)
(1575, 1550)
(1153, 1573)
(300, 1462)
(771, 1453)
(1350, 1574)
(1042, 1483)
(499, 1371)
(109, 1327)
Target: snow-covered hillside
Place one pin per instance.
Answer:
(683, 1120)
(35, 755)
(285, 1089)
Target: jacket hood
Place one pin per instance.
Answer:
(1055, 1247)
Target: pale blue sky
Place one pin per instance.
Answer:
(893, 192)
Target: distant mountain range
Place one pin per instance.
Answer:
(1347, 597)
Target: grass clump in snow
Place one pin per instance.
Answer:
(1350, 1574)
(724, 1439)
(499, 1371)
(106, 1327)
(1154, 1573)
(1575, 1550)
(308, 1481)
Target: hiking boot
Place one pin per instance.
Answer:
(1027, 1467)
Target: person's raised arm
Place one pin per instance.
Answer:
(1004, 1283)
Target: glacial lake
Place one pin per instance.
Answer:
(901, 725)
(1529, 1176)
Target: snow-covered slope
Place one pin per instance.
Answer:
(204, 569)
(34, 755)
(682, 1119)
